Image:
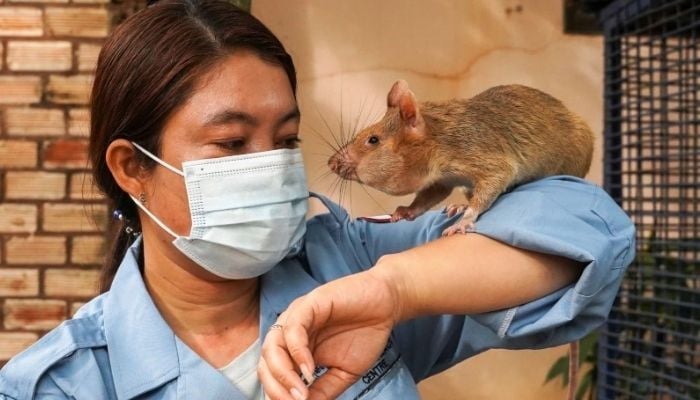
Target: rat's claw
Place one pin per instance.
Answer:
(464, 225)
(460, 227)
(454, 209)
(403, 212)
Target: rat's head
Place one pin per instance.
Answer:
(390, 155)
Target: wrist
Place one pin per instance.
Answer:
(399, 287)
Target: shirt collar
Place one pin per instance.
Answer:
(142, 350)
(282, 285)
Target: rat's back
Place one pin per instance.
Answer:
(540, 133)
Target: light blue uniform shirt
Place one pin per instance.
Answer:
(119, 347)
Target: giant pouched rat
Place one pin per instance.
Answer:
(502, 137)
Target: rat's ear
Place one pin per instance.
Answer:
(397, 91)
(401, 96)
(408, 107)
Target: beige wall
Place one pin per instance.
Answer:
(348, 53)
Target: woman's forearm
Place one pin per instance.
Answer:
(470, 274)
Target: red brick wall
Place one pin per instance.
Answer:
(51, 219)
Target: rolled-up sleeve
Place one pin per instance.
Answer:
(571, 219)
(563, 216)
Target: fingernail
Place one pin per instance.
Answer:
(306, 372)
(296, 394)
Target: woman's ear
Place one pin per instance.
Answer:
(125, 167)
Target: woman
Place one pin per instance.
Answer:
(217, 284)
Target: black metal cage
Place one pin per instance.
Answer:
(650, 348)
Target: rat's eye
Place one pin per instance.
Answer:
(373, 140)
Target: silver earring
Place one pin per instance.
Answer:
(142, 199)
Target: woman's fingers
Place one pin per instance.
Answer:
(272, 388)
(278, 367)
(296, 339)
(333, 326)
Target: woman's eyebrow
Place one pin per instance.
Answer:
(231, 116)
(290, 116)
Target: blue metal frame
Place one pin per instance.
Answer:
(650, 347)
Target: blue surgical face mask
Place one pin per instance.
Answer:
(247, 211)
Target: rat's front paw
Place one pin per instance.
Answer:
(403, 212)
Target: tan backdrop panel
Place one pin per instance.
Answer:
(348, 54)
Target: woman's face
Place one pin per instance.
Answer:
(243, 105)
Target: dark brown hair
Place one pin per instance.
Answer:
(147, 69)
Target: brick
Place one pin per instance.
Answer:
(21, 21)
(79, 122)
(12, 343)
(39, 56)
(17, 218)
(71, 282)
(35, 250)
(35, 121)
(17, 154)
(19, 89)
(80, 22)
(35, 185)
(66, 153)
(33, 314)
(38, 1)
(18, 282)
(87, 56)
(73, 89)
(88, 250)
(83, 188)
(74, 217)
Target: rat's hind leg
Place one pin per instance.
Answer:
(483, 195)
(458, 208)
(425, 199)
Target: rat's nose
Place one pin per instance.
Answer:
(334, 163)
(340, 164)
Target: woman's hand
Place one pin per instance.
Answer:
(343, 325)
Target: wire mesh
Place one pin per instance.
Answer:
(650, 347)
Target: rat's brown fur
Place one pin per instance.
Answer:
(504, 136)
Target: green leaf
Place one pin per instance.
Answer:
(587, 348)
(560, 367)
(584, 385)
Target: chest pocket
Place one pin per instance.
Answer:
(387, 379)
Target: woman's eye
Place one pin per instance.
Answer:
(232, 144)
(291, 142)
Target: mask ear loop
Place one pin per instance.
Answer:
(153, 217)
(158, 160)
(141, 205)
